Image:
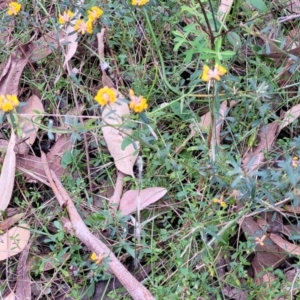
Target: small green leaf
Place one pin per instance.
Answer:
(144, 118)
(259, 4)
(126, 142)
(68, 157)
(234, 39)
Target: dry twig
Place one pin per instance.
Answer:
(131, 284)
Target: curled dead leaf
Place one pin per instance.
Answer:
(14, 241)
(285, 245)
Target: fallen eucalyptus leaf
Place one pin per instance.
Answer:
(14, 241)
(7, 177)
(128, 203)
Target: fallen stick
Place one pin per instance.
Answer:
(131, 284)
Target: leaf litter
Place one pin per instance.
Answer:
(267, 255)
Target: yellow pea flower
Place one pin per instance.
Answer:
(105, 96)
(82, 27)
(94, 13)
(97, 259)
(137, 104)
(13, 8)
(260, 240)
(216, 73)
(139, 2)
(220, 201)
(8, 102)
(65, 17)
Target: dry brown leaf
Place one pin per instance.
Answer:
(290, 116)
(293, 6)
(285, 245)
(106, 81)
(11, 296)
(14, 241)
(267, 278)
(9, 83)
(114, 135)
(206, 120)
(55, 154)
(291, 209)
(234, 293)
(4, 68)
(44, 46)
(23, 290)
(268, 254)
(4, 225)
(224, 8)
(49, 262)
(30, 119)
(32, 167)
(266, 137)
(7, 177)
(71, 39)
(128, 203)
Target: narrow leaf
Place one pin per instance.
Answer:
(259, 4)
(7, 176)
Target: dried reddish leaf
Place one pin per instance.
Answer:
(49, 262)
(32, 167)
(128, 203)
(266, 136)
(4, 68)
(29, 119)
(291, 209)
(224, 8)
(4, 225)
(290, 116)
(269, 254)
(285, 245)
(7, 177)
(55, 154)
(106, 81)
(23, 290)
(11, 296)
(72, 44)
(44, 46)
(14, 241)
(9, 83)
